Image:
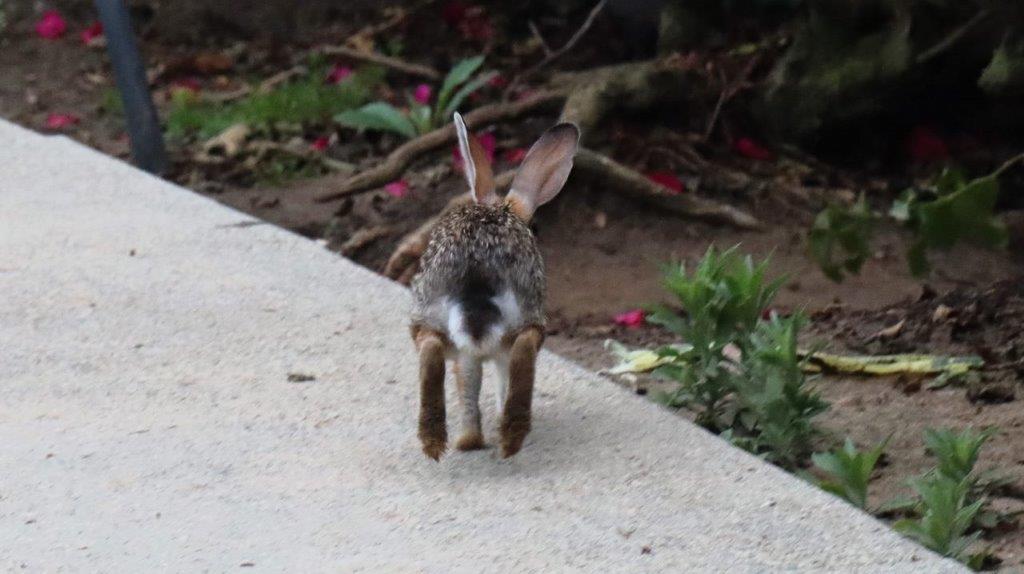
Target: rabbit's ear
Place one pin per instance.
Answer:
(544, 170)
(476, 165)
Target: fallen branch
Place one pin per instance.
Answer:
(395, 164)
(382, 60)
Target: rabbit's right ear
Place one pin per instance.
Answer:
(476, 165)
(544, 170)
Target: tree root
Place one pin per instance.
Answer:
(636, 185)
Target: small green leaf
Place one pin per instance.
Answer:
(455, 78)
(465, 91)
(379, 116)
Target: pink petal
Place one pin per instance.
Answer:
(338, 74)
(187, 84)
(398, 188)
(667, 179)
(749, 148)
(515, 155)
(422, 94)
(51, 26)
(61, 121)
(631, 319)
(95, 30)
(320, 143)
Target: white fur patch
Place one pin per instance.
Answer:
(511, 318)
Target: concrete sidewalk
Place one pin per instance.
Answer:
(147, 422)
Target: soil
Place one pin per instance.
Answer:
(604, 252)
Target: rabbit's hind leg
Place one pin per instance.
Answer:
(468, 376)
(433, 433)
(515, 418)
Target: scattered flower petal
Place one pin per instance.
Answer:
(51, 26)
(398, 188)
(667, 179)
(476, 26)
(749, 148)
(422, 94)
(188, 84)
(61, 121)
(515, 155)
(631, 319)
(497, 81)
(94, 31)
(454, 12)
(338, 74)
(925, 145)
(321, 143)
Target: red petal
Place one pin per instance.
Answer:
(749, 148)
(61, 121)
(51, 26)
(95, 30)
(498, 81)
(515, 155)
(320, 143)
(338, 74)
(667, 179)
(453, 13)
(631, 319)
(925, 145)
(398, 188)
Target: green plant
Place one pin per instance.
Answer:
(309, 99)
(945, 518)
(723, 298)
(955, 452)
(849, 471)
(840, 239)
(948, 210)
(774, 406)
(951, 210)
(419, 117)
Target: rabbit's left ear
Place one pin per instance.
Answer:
(476, 165)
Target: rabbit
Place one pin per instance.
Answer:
(479, 293)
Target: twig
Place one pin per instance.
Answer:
(551, 57)
(954, 37)
(729, 91)
(401, 157)
(1008, 164)
(380, 59)
(543, 43)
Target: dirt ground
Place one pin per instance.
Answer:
(603, 254)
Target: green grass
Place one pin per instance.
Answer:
(307, 100)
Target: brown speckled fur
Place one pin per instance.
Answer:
(497, 244)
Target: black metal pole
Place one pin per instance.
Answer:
(147, 142)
